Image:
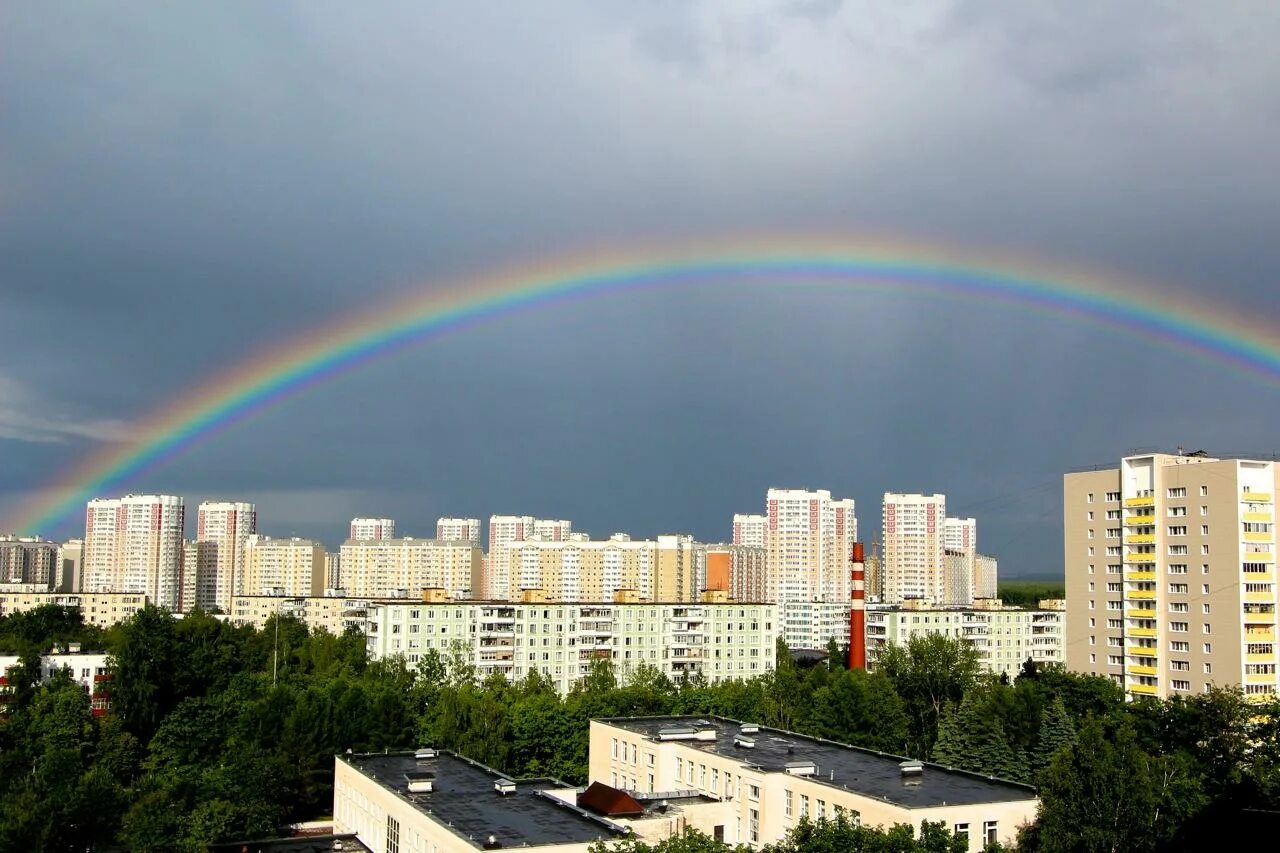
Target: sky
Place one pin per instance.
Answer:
(184, 185)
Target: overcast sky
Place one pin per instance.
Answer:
(182, 185)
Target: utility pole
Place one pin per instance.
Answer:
(275, 651)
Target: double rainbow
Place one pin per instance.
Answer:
(320, 356)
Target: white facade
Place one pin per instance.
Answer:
(984, 576)
(227, 526)
(401, 568)
(812, 624)
(960, 539)
(1004, 637)
(718, 640)
(749, 529)
(809, 538)
(373, 528)
(913, 565)
(465, 529)
(83, 667)
(103, 609)
(134, 544)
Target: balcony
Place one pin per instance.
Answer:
(1140, 575)
(1135, 669)
(1142, 689)
(1256, 497)
(1141, 652)
(1263, 517)
(1257, 537)
(1259, 658)
(1140, 558)
(1140, 614)
(1140, 594)
(1141, 632)
(1141, 500)
(1260, 597)
(1140, 520)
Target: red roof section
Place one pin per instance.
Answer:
(610, 802)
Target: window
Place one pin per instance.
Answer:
(1177, 550)
(1177, 530)
(753, 791)
(1178, 588)
(1208, 648)
(1207, 628)
(1113, 532)
(1204, 589)
(962, 831)
(1178, 627)
(1177, 568)
(1090, 532)
(1204, 530)
(753, 825)
(1089, 515)
(1204, 608)
(786, 803)
(1204, 510)
(393, 835)
(1181, 685)
(1180, 665)
(822, 809)
(1204, 549)
(1208, 669)
(1176, 511)
(1179, 646)
(990, 832)
(615, 755)
(1204, 490)
(1090, 498)
(1178, 492)
(1178, 607)
(1113, 496)
(804, 805)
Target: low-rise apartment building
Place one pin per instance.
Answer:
(717, 640)
(97, 608)
(812, 624)
(1004, 637)
(334, 613)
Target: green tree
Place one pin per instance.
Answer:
(931, 673)
(1056, 732)
(861, 708)
(972, 738)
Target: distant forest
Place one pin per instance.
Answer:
(213, 736)
(1028, 592)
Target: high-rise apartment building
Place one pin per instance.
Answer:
(749, 529)
(227, 526)
(30, 561)
(199, 577)
(284, 566)
(664, 569)
(333, 570)
(506, 530)
(960, 541)
(459, 529)
(984, 576)
(134, 544)
(367, 529)
(739, 570)
(913, 565)
(402, 568)
(808, 540)
(1171, 574)
(70, 566)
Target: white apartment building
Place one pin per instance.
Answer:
(134, 544)
(808, 540)
(199, 570)
(400, 568)
(720, 641)
(913, 565)
(103, 609)
(459, 529)
(984, 576)
(1171, 574)
(1004, 637)
(226, 526)
(85, 668)
(364, 529)
(812, 624)
(334, 614)
(505, 531)
(290, 566)
(749, 529)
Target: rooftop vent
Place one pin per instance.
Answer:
(912, 772)
(420, 781)
(425, 754)
(750, 728)
(802, 768)
(705, 734)
(744, 742)
(677, 733)
(504, 787)
(492, 843)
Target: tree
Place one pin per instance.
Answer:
(972, 738)
(144, 662)
(1106, 794)
(1056, 732)
(931, 673)
(860, 708)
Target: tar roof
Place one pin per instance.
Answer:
(463, 798)
(862, 771)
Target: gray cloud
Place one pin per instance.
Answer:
(181, 187)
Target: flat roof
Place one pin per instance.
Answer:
(463, 799)
(862, 771)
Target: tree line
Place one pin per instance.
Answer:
(221, 733)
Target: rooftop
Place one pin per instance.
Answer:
(345, 843)
(863, 771)
(463, 797)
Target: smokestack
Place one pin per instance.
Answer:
(858, 613)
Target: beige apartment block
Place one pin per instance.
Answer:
(283, 566)
(670, 567)
(333, 614)
(402, 568)
(134, 544)
(808, 540)
(765, 780)
(103, 609)
(226, 526)
(913, 565)
(1171, 574)
(739, 570)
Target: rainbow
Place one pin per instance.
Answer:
(318, 357)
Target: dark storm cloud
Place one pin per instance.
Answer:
(181, 186)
